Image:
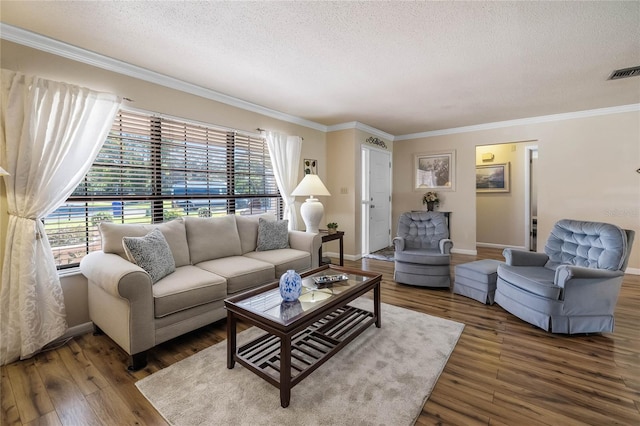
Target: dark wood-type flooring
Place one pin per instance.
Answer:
(503, 371)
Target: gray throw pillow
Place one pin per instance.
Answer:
(151, 253)
(272, 235)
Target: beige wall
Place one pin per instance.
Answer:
(586, 171)
(150, 97)
(344, 155)
(500, 216)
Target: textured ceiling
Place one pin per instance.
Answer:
(401, 67)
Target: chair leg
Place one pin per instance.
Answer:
(137, 361)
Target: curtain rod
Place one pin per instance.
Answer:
(263, 130)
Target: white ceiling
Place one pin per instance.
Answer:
(401, 67)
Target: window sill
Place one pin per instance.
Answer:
(69, 272)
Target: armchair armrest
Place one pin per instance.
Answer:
(398, 244)
(445, 246)
(566, 273)
(524, 258)
(587, 291)
(306, 241)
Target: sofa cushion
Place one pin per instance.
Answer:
(151, 253)
(283, 259)
(272, 235)
(422, 256)
(534, 279)
(248, 230)
(241, 272)
(187, 287)
(174, 232)
(212, 238)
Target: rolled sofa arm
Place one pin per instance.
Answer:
(565, 273)
(445, 246)
(306, 241)
(524, 258)
(398, 244)
(120, 300)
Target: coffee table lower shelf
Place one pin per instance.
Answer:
(307, 350)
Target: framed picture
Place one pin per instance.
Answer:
(310, 166)
(492, 178)
(435, 171)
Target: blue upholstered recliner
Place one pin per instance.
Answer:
(573, 286)
(422, 250)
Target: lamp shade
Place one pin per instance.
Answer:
(311, 210)
(311, 185)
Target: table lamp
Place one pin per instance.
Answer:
(311, 210)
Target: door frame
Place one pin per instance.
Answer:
(529, 149)
(364, 201)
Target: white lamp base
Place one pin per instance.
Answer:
(312, 211)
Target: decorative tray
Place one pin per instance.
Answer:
(329, 279)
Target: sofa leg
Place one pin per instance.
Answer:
(137, 361)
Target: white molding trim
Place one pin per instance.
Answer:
(65, 50)
(76, 330)
(335, 255)
(499, 246)
(523, 121)
(464, 251)
(632, 271)
(360, 126)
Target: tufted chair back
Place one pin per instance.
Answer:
(589, 244)
(422, 229)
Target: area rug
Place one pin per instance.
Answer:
(384, 254)
(384, 377)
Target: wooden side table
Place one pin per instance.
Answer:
(326, 236)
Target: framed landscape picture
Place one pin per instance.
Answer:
(492, 178)
(434, 171)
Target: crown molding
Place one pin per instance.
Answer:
(360, 126)
(65, 50)
(49, 45)
(523, 121)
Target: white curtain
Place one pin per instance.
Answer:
(285, 158)
(50, 133)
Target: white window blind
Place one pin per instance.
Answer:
(153, 169)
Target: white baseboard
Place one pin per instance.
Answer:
(632, 271)
(351, 257)
(77, 330)
(499, 246)
(464, 251)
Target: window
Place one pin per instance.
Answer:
(153, 169)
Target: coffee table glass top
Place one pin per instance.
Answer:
(270, 304)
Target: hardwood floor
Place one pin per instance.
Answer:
(503, 371)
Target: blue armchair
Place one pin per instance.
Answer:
(422, 250)
(573, 286)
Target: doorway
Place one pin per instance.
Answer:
(376, 199)
(506, 215)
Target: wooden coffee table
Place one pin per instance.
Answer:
(302, 335)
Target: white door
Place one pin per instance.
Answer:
(379, 200)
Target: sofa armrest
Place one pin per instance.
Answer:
(120, 300)
(306, 241)
(398, 244)
(524, 258)
(116, 276)
(445, 246)
(566, 273)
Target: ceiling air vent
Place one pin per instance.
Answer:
(624, 73)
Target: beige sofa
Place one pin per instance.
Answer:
(214, 258)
